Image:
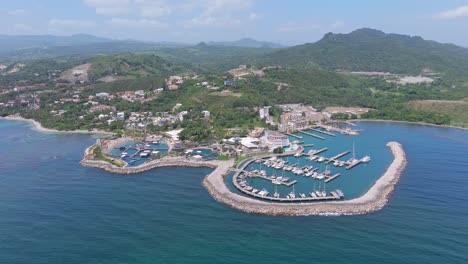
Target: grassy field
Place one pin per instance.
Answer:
(457, 110)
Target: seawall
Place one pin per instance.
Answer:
(375, 198)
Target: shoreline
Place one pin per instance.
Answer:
(407, 122)
(374, 199)
(38, 126)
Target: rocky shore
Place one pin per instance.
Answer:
(373, 200)
(221, 168)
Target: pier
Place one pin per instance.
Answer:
(354, 164)
(292, 135)
(288, 184)
(319, 151)
(308, 145)
(338, 156)
(329, 179)
(323, 132)
(310, 134)
(332, 196)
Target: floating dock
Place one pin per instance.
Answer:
(354, 164)
(323, 132)
(332, 178)
(319, 151)
(292, 135)
(312, 135)
(338, 156)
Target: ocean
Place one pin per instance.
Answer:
(52, 210)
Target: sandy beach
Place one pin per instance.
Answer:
(38, 126)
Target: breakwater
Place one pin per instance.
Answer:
(375, 198)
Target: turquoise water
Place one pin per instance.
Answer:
(354, 182)
(54, 211)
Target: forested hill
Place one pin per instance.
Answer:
(373, 50)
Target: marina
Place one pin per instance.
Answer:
(304, 175)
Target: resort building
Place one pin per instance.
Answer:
(275, 139)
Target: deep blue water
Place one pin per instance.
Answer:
(54, 211)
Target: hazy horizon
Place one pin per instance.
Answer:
(189, 21)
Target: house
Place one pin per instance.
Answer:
(159, 90)
(121, 116)
(140, 93)
(102, 95)
(206, 114)
(173, 87)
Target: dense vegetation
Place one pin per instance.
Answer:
(373, 50)
(308, 76)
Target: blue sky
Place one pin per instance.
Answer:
(289, 22)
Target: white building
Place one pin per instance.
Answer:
(275, 139)
(102, 95)
(121, 116)
(140, 93)
(264, 112)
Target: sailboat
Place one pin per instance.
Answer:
(292, 194)
(324, 192)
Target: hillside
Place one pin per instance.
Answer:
(132, 65)
(213, 58)
(373, 50)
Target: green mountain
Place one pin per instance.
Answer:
(372, 50)
(246, 43)
(132, 65)
(213, 58)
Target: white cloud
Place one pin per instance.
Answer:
(153, 8)
(218, 13)
(71, 23)
(22, 27)
(254, 16)
(292, 27)
(461, 11)
(337, 24)
(18, 12)
(138, 23)
(109, 7)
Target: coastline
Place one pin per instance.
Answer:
(38, 126)
(407, 122)
(374, 199)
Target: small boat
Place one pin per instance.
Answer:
(291, 195)
(313, 195)
(255, 191)
(366, 159)
(339, 192)
(318, 193)
(276, 195)
(302, 195)
(320, 159)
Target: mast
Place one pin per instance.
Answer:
(354, 153)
